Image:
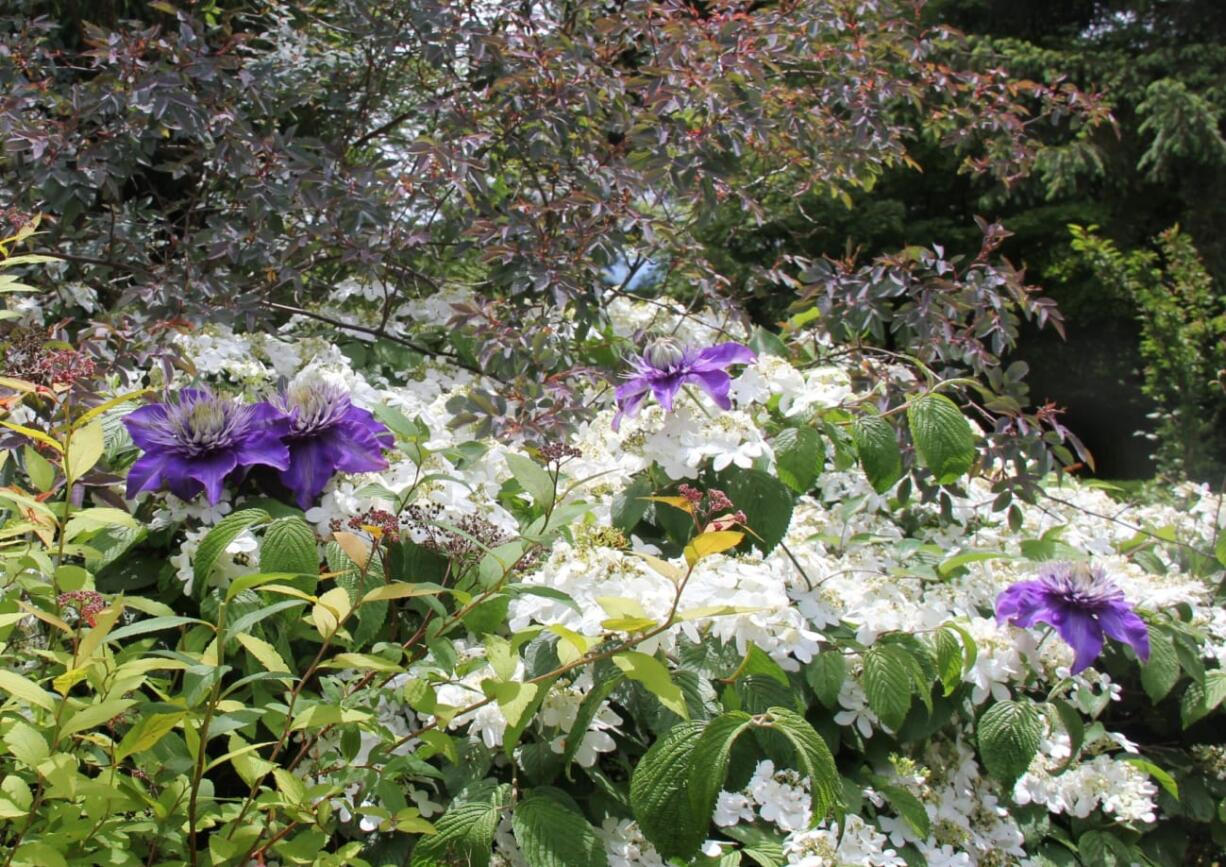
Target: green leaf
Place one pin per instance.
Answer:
(653, 674)
(763, 848)
(153, 624)
(250, 619)
(658, 793)
(757, 692)
(631, 505)
(766, 502)
(952, 565)
(289, 546)
(40, 470)
(551, 834)
(799, 456)
(214, 544)
(825, 674)
(766, 342)
(943, 437)
(466, 831)
(1198, 700)
(709, 763)
(815, 758)
(889, 683)
(1161, 672)
(1074, 726)
(1008, 735)
(949, 659)
(95, 714)
(146, 733)
(587, 712)
(1103, 849)
(533, 478)
(906, 805)
(877, 445)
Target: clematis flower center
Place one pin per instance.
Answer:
(664, 353)
(314, 406)
(1083, 585)
(202, 423)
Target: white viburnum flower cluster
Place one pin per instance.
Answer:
(625, 845)
(779, 796)
(1097, 782)
(969, 824)
(847, 561)
(240, 557)
(857, 842)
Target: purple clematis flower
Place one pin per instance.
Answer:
(666, 365)
(1082, 603)
(195, 442)
(327, 433)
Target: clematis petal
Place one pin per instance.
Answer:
(628, 406)
(715, 383)
(665, 389)
(1021, 604)
(312, 462)
(263, 449)
(720, 356)
(1121, 623)
(357, 418)
(1083, 633)
(358, 448)
(146, 474)
(265, 414)
(210, 471)
(143, 425)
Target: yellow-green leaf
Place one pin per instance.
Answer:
(93, 413)
(23, 501)
(653, 674)
(146, 733)
(40, 470)
(33, 434)
(663, 567)
(355, 548)
(84, 449)
(264, 652)
(676, 502)
(626, 615)
(401, 590)
(715, 542)
(26, 690)
(103, 624)
(97, 518)
(64, 683)
(330, 610)
(362, 662)
(26, 743)
(94, 715)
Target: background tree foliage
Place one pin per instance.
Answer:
(233, 160)
(1162, 67)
